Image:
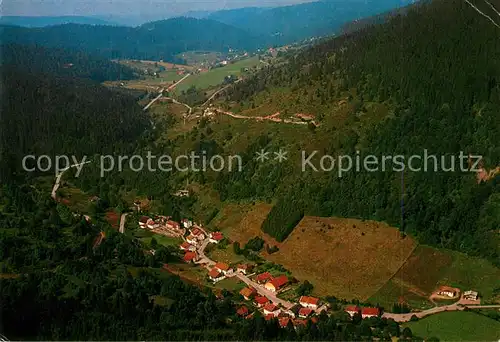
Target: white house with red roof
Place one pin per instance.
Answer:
(276, 283)
(370, 312)
(271, 309)
(224, 268)
(305, 312)
(215, 275)
(260, 301)
(216, 237)
(352, 310)
(309, 302)
(186, 246)
(152, 224)
(192, 239)
(190, 257)
(244, 268)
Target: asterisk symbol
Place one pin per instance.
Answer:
(262, 156)
(280, 155)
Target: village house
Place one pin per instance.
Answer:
(471, 295)
(151, 224)
(352, 310)
(244, 268)
(263, 277)
(216, 237)
(243, 311)
(215, 275)
(260, 301)
(143, 221)
(186, 246)
(173, 225)
(309, 302)
(370, 312)
(224, 268)
(447, 291)
(190, 257)
(305, 312)
(197, 233)
(186, 223)
(277, 283)
(192, 240)
(283, 321)
(248, 292)
(271, 309)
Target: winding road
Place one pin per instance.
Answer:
(59, 176)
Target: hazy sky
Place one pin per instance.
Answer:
(126, 7)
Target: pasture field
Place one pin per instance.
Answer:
(428, 267)
(216, 76)
(347, 258)
(456, 326)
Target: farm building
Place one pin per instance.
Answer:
(471, 295)
(186, 246)
(198, 233)
(448, 291)
(173, 225)
(277, 283)
(186, 223)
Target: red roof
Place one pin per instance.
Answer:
(309, 300)
(284, 321)
(263, 277)
(173, 223)
(247, 292)
(185, 245)
(352, 308)
(214, 273)
(222, 266)
(196, 231)
(305, 312)
(217, 236)
(243, 311)
(143, 219)
(270, 307)
(269, 317)
(370, 311)
(279, 281)
(261, 300)
(189, 256)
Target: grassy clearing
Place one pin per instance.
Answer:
(231, 284)
(392, 293)
(74, 198)
(457, 326)
(347, 258)
(469, 273)
(226, 255)
(216, 76)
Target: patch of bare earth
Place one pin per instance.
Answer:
(347, 258)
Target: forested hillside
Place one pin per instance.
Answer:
(291, 23)
(46, 114)
(39, 59)
(436, 71)
(156, 40)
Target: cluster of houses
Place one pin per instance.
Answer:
(298, 315)
(364, 312)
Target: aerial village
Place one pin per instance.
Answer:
(261, 291)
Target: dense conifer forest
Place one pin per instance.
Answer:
(437, 68)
